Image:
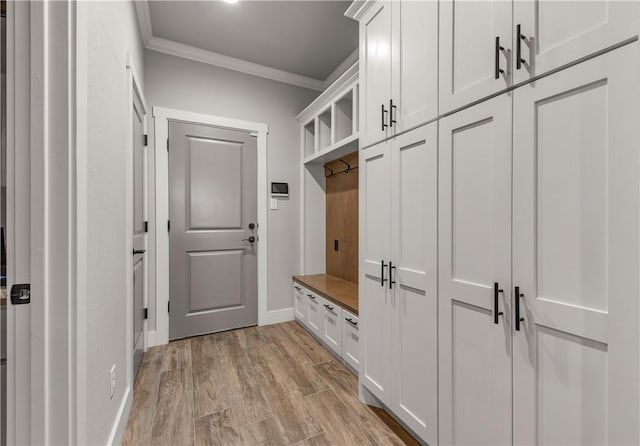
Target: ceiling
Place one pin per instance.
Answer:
(309, 38)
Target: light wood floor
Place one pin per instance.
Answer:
(273, 385)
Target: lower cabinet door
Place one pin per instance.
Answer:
(350, 339)
(314, 314)
(332, 326)
(300, 303)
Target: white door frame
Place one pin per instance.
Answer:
(162, 116)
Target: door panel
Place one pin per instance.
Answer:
(375, 240)
(576, 254)
(350, 339)
(415, 246)
(375, 81)
(212, 174)
(314, 314)
(415, 62)
(468, 31)
(474, 216)
(139, 235)
(560, 32)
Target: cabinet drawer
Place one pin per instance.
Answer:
(350, 339)
(314, 313)
(332, 326)
(300, 303)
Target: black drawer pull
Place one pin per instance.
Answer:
(312, 296)
(496, 292)
(517, 297)
(519, 39)
(382, 279)
(351, 321)
(329, 307)
(499, 48)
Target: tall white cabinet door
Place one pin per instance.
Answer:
(576, 256)
(557, 33)
(414, 293)
(415, 63)
(375, 77)
(375, 244)
(468, 31)
(475, 251)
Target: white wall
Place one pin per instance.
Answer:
(192, 86)
(113, 31)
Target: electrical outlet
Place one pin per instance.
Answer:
(112, 381)
(274, 204)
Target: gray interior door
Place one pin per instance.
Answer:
(139, 239)
(213, 235)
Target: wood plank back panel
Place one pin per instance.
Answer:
(342, 219)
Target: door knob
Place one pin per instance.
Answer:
(252, 226)
(251, 239)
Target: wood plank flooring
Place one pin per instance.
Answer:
(273, 385)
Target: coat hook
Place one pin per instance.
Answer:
(330, 171)
(346, 164)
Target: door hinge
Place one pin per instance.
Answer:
(146, 313)
(145, 140)
(169, 225)
(168, 306)
(146, 226)
(21, 294)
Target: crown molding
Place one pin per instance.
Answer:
(342, 68)
(231, 63)
(358, 8)
(144, 20)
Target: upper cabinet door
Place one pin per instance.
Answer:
(556, 33)
(375, 75)
(475, 44)
(576, 254)
(415, 63)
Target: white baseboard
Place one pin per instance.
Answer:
(117, 431)
(276, 316)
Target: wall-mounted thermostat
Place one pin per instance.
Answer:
(279, 189)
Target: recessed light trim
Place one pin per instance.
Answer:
(231, 2)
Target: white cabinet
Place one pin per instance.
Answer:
(332, 326)
(375, 73)
(351, 339)
(556, 33)
(487, 46)
(314, 314)
(474, 215)
(471, 35)
(398, 76)
(576, 254)
(555, 206)
(399, 277)
(300, 303)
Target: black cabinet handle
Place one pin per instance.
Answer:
(496, 292)
(329, 307)
(499, 48)
(297, 288)
(382, 279)
(519, 319)
(519, 39)
(138, 251)
(311, 296)
(391, 109)
(384, 112)
(391, 281)
(351, 321)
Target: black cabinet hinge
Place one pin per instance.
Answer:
(145, 140)
(146, 313)
(146, 226)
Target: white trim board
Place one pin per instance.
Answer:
(231, 63)
(162, 116)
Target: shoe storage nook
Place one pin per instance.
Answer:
(498, 200)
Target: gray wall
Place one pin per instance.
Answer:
(113, 30)
(192, 86)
